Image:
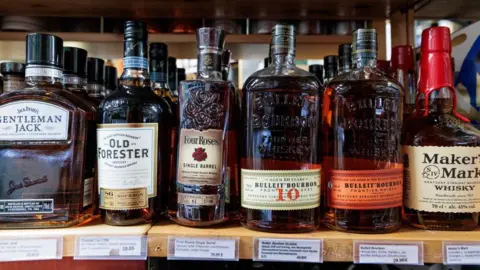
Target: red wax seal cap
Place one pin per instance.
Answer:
(436, 39)
(402, 57)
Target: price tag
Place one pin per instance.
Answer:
(461, 253)
(388, 252)
(111, 248)
(288, 250)
(31, 249)
(192, 248)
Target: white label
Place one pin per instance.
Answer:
(289, 250)
(462, 254)
(200, 158)
(29, 250)
(280, 190)
(87, 192)
(204, 248)
(33, 121)
(113, 246)
(127, 156)
(391, 254)
(43, 71)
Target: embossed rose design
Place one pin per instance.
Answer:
(202, 120)
(215, 111)
(204, 98)
(190, 110)
(199, 154)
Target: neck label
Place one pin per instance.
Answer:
(43, 71)
(135, 62)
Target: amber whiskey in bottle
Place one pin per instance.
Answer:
(402, 68)
(441, 149)
(43, 131)
(280, 166)
(13, 76)
(205, 106)
(133, 140)
(362, 120)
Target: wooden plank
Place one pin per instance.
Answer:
(380, 25)
(403, 28)
(338, 246)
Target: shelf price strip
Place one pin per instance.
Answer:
(203, 248)
(30, 249)
(111, 247)
(464, 253)
(288, 250)
(387, 252)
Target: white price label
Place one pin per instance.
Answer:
(388, 253)
(462, 254)
(110, 247)
(29, 249)
(203, 248)
(289, 250)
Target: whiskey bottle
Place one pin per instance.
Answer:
(330, 64)
(111, 81)
(403, 70)
(96, 79)
(133, 140)
(226, 56)
(344, 58)
(441, 149)
(13, 76)
(316, 70)
(172, 78)
(205, 123)
(181, 76)
(362, 121)
(42, 145)
(75, 82)
(280, 166)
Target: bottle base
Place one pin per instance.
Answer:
(443, 226)
(31, 223)
(279, 228)
(199, 224)
(363, 230)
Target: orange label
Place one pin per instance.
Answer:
(362, 190)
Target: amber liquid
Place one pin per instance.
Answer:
(440, 129)
(277, 147)
(370, 142)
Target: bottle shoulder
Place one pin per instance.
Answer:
(294, 79)
(129, 97)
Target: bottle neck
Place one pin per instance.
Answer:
(367, 60)
(407, 79)
(13, 82)
(135, 64)
(159, 72)
(95, 89)
(74, 83)
(44, 76)
(284, 59)
(330, 73)
(209, 64)
(344, 64)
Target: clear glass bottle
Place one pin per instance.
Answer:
(133, 140)
(441, 149)
(111, 80)
(96, 79)
(362, 121)
(205, 125)
(403, 70)
(13, 76)
(330, 65)
(42, 145)
(280, 165)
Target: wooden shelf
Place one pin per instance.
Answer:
(338, 246)
(180, 38)
(69, 234)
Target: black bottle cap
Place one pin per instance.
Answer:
(135, 30)
(208, 38)
(111, 78)
(330, 61)
(44, 49)
(345, 49)
(158, 50)
(226, 55)
(181, 74)
(13, 68)
(95, 70)
(75, 61)
(172, 62)
(316, 70)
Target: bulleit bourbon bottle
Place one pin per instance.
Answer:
(280, 166)
(362, 121)
(441, 149)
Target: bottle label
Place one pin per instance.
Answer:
(127, 164)
(442, 179)
(87, 192)
(26, 206)
(200, 159)
(158, 76)
(280, 190)
(135, 62)
(33, 121)
(198, 199)
(43, 71)
(365, 189)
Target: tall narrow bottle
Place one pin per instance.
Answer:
(344, 58)
(226, 56)
(362, 123)
(96, 79)
(441, 149)
(403, 70)
(280, 166)
(159, 70)
(330, 65)
(205, 123)
(133, 140)
(181, 76)
(111, 80)
(173, 78)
